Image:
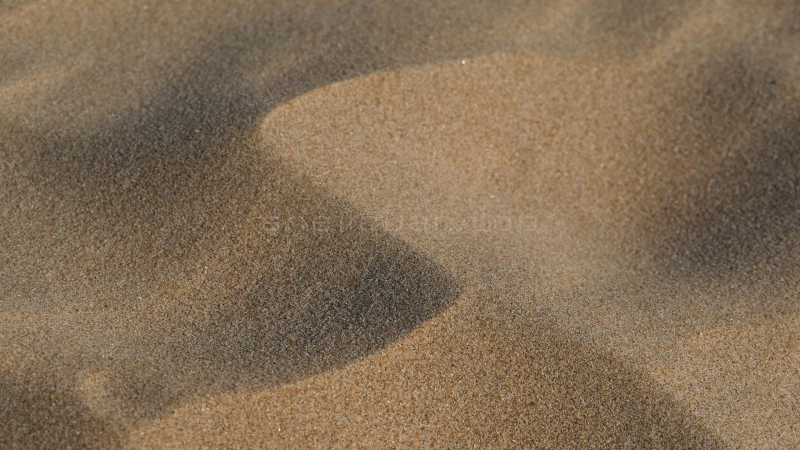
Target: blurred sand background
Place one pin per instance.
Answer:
(485, 224)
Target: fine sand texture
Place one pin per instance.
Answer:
(388, 224)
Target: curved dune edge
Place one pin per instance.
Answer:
(518, 172)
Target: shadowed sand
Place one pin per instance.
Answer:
(314, 224)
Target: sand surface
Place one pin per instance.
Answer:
(486, 224)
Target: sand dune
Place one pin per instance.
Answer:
(358, 224)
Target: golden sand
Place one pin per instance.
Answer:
(394, 224)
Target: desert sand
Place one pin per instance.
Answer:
(389, 224)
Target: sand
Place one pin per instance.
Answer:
(399, 224)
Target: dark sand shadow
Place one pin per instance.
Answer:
(264, 279)
(39, 415)
(730, 190)
(591, 399)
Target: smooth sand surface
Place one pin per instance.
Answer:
(384, 224)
